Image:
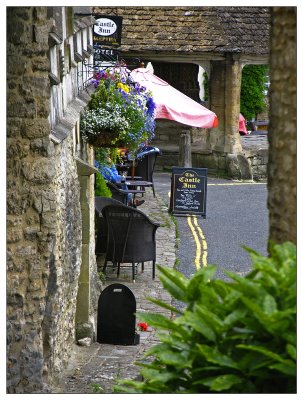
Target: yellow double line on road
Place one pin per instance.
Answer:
(199, 238)
(200, 241)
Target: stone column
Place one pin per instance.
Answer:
(232, 104)
(185, 149)
(84, 326)
(224, 93)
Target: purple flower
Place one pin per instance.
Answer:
(151, 106)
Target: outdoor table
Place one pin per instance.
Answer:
(130, 182)
(136, 178)
(135, 183)
(130, 189)
(122, 168)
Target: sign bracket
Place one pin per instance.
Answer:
(104, 61)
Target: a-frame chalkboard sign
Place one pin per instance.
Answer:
(188, 191)
(116, 322)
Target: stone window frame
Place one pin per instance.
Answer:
(78, 57)
(90, 46)
(76, 138)
(56, 58)
(58, 50)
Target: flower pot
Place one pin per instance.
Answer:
(105, 139)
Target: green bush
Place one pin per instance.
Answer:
(101, 188)
(252, 100)
(233, 336)
(101, 155)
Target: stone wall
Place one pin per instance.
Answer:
(44, 220)
(258, 160)
(30, 199)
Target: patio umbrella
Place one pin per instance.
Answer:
(173, 104)
(242, 125)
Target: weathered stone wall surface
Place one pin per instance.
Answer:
(58, 326)
(44, 221)
(31, 202)
(282, 133)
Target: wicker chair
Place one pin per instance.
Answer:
(117, 193)
(101, 225)
(121, 194)
(131, 238)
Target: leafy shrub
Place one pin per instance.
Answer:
(235, 336)
(101, 156)
(101, 188)
(252, 90)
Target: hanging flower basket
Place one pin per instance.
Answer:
(119, 113)
(105, 138)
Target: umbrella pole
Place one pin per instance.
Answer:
(133, 169)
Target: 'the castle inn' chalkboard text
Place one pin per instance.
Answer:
(188, 191)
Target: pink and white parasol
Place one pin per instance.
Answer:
(173, 104)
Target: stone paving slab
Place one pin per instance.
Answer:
(103, 363)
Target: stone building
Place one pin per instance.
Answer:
(51, 267)
(221, 41)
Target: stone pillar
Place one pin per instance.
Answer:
(82, 314)
(185, 149)
(224, 93)
(84, 324)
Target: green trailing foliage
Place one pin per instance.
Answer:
(101, 156)
(101, 188)
(206, 86)
(233, 336)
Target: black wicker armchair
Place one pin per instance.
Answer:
(101, 225)
(121, 194)
(131, 238)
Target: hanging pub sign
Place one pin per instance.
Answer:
(107, 30)
(188, 191)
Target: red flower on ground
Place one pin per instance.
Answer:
(142, 326)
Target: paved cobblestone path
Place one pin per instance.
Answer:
(102, 363)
